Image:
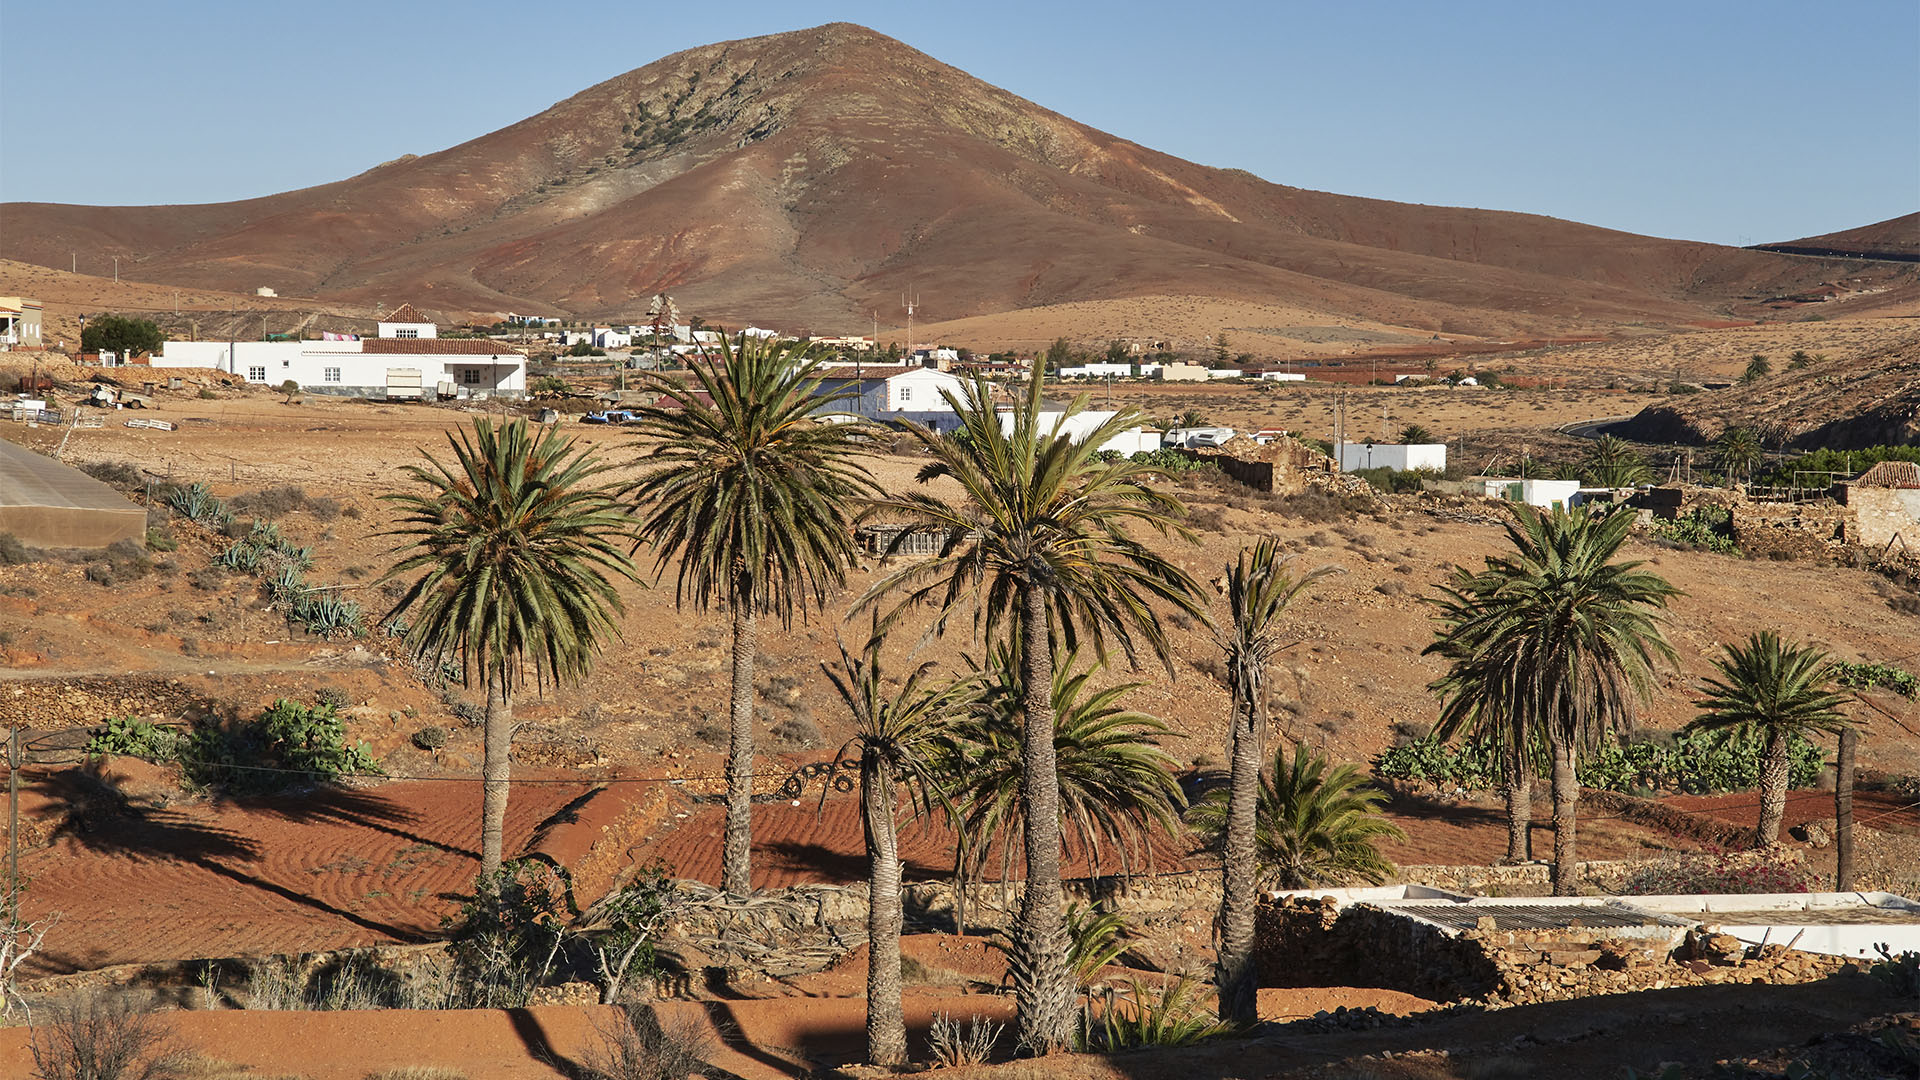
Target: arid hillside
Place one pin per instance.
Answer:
(811, 178)
(1894, 238)
(1840, 402)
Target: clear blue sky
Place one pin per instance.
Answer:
(1730, 122)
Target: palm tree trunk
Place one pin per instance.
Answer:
(1519, 794)
(735, 876)
(496, 774)
(1043, 987)
(1566, 798)
(1773, 789)
(1843, 810)
(1240, 870)
(886, 1024)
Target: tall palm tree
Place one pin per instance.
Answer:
(1613, 463)
(903, 737)
(757, 501)
(520, 538)
(1040, 547)
(1116, 783)
(1480, 701)
(1773, 690)
(1571, 637)
(1316, 827)
(1259, 588)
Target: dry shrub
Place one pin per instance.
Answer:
(1208, 518)
(104, 1037)
(953, 1044)
(268, 503)
(637, 1046)
(417, 1072)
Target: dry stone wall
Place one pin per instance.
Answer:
(1303, 942)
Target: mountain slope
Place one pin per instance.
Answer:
(811, 178)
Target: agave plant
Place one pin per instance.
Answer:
(1139, 1017)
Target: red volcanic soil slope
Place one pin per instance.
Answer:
(809, 178)
(1894, 238)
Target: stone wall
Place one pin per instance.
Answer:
(1302, 942)
(1882, 514)
(1813, 531)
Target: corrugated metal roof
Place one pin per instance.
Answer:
(27, 479)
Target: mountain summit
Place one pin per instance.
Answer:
(809, 178)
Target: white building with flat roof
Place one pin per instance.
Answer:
(408, 360)
(1396, 456)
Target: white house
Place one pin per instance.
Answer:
(411, 361)
(1394, 456)
(1178, 372)
(1282, 376)
(896, 393)
(1077, 427)
(1226, 373)
(1546, 494)
(1101, 369)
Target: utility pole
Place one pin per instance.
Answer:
(1843, 810)
(116, 269)
(13, 820)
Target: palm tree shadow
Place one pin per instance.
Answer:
(332, 804)
(97, 815)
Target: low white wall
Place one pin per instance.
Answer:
(1393, 456)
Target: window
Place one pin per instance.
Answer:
(257, 373)
(406, 332)
(470, 376)
(906, 393)
(331, 374)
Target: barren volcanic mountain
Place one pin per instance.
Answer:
(809, 178)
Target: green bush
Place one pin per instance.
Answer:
(288, 744)
(1697, 763)
(1701, 528)
(1885, 676)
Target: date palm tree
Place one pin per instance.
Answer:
(1259, 588)
(1771, 690)
(1316, 826)
(902, 738)
(1613, 463)
(756, 500)
(1739, 452)
(1040, 547)
(1571, 637)
(1116, 782)
(520, 539)
(1480, 701)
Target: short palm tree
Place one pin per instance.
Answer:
(1771, 690)
(1415, 435)
(520, 538)
(757, 501)
(1570, 636)
(1480, 701)
(1259, 588)
(1116, 782)
(1613, 463)
(1316, 826)
(1040, 547)
(1739, 451)
(902, 737)
(1757, 368)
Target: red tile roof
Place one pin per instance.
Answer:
(438, 347)
(405, 313)
(846, 372)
